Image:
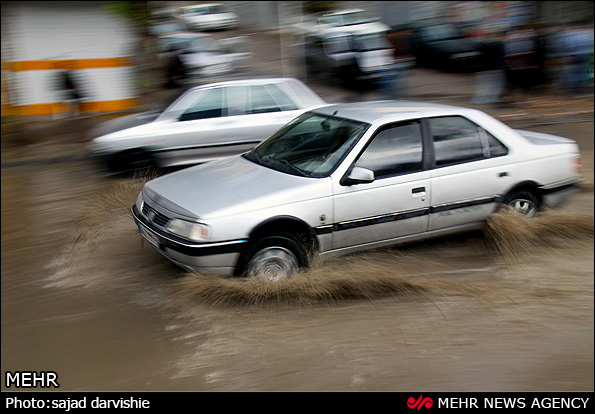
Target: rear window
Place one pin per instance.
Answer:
(268, 98)
(456, 139)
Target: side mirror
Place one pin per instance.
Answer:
(358, 176)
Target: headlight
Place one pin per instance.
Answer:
(139, 202)
(188, 230)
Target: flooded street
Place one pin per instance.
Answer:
(510, 308)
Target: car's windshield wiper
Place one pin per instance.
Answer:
(254, 156)
(268, 160)
(294, 168)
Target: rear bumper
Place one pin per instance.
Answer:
(556, 196)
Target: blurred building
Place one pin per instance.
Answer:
(43, 40)
(271, 15)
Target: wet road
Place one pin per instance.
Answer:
(82, 295)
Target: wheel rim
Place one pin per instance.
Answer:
(523, 206)
(273, 264)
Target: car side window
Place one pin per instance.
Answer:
(237, 100)
(394, 150)
(262, 101)
(456, 140)
(209, 105)
(284, 102)
(496, 148)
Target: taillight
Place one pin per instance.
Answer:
(575, 165)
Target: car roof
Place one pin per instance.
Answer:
(253, 81)
(202, 5)
(344, 11)
(372, 111)
(185, 35)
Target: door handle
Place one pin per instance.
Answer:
(418, 190)
(503, 174)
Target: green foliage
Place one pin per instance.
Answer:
(136, 11)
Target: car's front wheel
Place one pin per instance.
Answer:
(131, 160)
(274, 258)
(523, 202)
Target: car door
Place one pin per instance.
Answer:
(470, 172)
(195, 129)
(396, 203)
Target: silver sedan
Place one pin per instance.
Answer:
(208, 122)
(349, 177)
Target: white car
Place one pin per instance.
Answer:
(202, 55)
(351, 21)
(207, 122)
(348, 177)
(211, 16)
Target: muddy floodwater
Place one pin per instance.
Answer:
(508, 308)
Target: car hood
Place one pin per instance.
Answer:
(143, 130)
(230, 186)
(124, 122)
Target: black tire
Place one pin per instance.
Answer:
(523, 202)
(131, 160)
(273, 258)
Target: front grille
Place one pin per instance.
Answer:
(153, 216)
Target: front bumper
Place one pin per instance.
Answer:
(214, 257)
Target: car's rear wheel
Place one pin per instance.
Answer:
(523, 202)
(274, 258)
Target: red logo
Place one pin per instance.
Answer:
(420, 403)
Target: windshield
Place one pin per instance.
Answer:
(311, 145)
(196, 44)
(356, 18)
(162, 28)
(214, 9)
(375, 41)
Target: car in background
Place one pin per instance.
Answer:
(207, 122)
(354, 21)
(358, 61)
(202, 55)
(443, 46)
(210, 16)
(162, 13)
(349, 177)
(163, 27)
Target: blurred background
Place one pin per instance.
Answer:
(118, 53)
